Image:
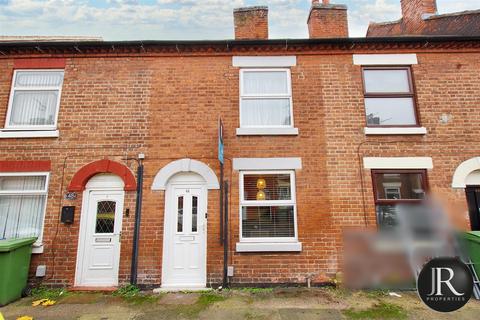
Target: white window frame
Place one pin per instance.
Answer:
(12, 92)
(255, 203)
(266, 96)
(44, 192)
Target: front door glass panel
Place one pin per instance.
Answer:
(194, 213)
(180, 214)
(105, 222)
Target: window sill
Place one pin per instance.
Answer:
(6, 134)
(396, 131)
(269, 247)
(267, 131)
(37, 248)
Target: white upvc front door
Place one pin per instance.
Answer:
(184, 249)
(99, 241)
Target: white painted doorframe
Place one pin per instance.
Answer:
(88, 238)
(185, 269)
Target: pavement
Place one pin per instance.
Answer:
(249, 303)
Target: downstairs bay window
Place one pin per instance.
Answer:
(268, 219)
(23, 198)
(395, 187)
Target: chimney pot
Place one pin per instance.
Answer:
(251, 23)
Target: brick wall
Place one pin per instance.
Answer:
(412, 10)
(168, 107)
(439, 91)
(327, 20)
(251, 23)
(103, 114)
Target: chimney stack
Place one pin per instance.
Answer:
(414, 11)
(251, 23)
(327, 20)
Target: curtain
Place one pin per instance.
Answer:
(262, 83)
(39, 79)
(32, 106)
(265, 98)
(21, 215)
(266, 112)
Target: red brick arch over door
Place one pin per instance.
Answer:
(82, 176)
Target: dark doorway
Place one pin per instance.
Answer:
(473, 200)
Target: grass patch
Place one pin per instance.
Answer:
(195, 291)
(337, 292)
(253, 294)
(209, 298)
(48, 293)
(382, 310)
(192, 311)
(257, 290)
(133, 295)
(142, 298)
(378, 293)
(126, 291)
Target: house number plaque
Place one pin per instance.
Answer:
(70, 196)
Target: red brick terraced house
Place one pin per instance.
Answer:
(319, 135)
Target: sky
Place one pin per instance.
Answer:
(182, 19)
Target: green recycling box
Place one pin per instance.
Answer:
(14, 264)
(472, 246)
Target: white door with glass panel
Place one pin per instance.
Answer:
(100, 236)
(184, 251)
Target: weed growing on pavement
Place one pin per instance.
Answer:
(126, 291)
(204, 301)
(381, 310)
(133, 295)
(49, 293)
(257, 290)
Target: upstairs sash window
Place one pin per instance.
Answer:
(265, 98)
(389, 97)
(34, 100)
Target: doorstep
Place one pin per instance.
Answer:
(180, 289)
(96, 289)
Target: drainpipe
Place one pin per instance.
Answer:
(138, 215)
(225, 237)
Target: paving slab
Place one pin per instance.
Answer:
(249, 304)
(179, 298)
(310, 314)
